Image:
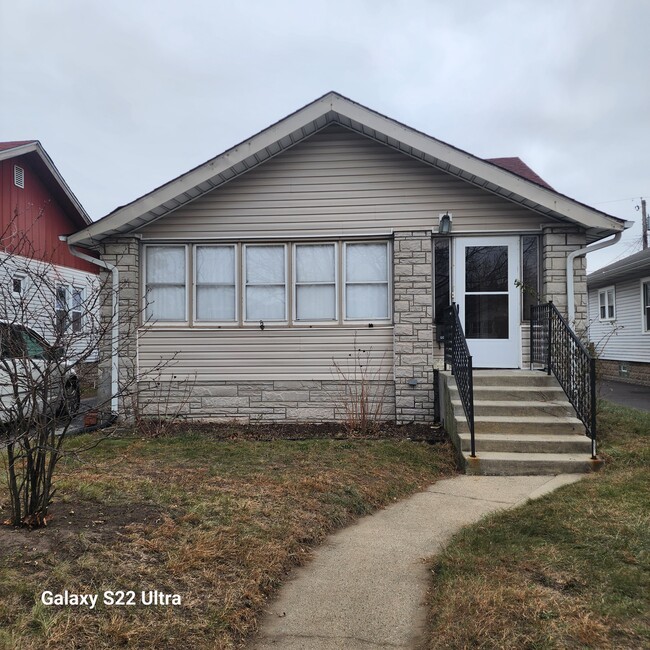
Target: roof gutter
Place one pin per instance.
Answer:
(115, 320)
(570, 277)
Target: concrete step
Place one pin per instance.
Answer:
(522, 424)
(531, 443)
(513, 378)
(512, 393)
(557, 408)
(517, 464)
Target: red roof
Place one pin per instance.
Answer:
(519, 167)
(12, 145)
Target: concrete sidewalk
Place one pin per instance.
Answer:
(366, 585)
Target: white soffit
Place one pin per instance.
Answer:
(336, 109)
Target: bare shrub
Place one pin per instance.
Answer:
(362, 392)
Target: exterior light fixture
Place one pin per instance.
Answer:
(413, 382)
(444, 223)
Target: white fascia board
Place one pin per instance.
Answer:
(122, 220)
(20, 150)
(209, 170)
(629, 271)
(486, 171)
(36, 146)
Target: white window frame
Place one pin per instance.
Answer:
(195, 285)
(71, 289)
(604, 291)
(165, 323)
(388, 282)
(245, 285)
(644, 308)
(65, 288)
(294, 283)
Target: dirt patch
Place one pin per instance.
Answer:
(96, 522)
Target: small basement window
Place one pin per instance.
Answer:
(19, 177)
(606, 306)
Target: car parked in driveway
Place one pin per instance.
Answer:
(35, 376)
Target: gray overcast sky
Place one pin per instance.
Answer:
(125, 95)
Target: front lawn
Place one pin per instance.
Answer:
(219, 523)
(571, 570)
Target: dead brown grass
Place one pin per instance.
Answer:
(571, 570)
(220, 523)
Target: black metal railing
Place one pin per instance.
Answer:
(554, 345)
(457, 356)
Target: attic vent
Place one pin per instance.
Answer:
(19, 177)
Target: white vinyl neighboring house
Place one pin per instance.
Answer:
(619, 318)
(264, 280)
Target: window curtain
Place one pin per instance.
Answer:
(265, 283)
(366, 281)
(315, 282)
(215, 283)
(166, 290)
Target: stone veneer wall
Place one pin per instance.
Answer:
(251, 401)
(557, 243)
(413, 333)
(637, 373)
(123, 252)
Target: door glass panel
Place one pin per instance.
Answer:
(486, 268)
(486, 317)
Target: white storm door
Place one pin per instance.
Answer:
(488, 300)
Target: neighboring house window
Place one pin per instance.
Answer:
(441, 266)
(76, 309)
(61, 309)
(366, 281)
(18, 285)
(265, 272)
(215, 283)
(166, 282)
(606, 306)
(315, 282)
(645, 301)
(530, 274)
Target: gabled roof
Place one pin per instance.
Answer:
(42, 164)
(519, 167)
(633, 266)
(16, 143)
(333, 108)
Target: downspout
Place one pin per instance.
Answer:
(115, 325)
(570, 279)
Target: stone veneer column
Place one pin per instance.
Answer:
(123, 252)
(413, 316)
(557, 243)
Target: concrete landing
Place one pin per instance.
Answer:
(366, 585)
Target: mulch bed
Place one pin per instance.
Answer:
(262, 431)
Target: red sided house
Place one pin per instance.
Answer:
(327, 251)
(42, 285)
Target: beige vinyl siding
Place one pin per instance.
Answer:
(255, 355)
(622, 339)
(338, 183)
